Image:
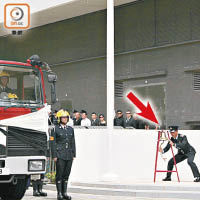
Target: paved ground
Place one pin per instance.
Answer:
(52, 196)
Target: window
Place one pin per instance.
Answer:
(119, 88)
(20, 86)
(196, 81)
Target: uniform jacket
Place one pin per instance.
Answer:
(63, 143)
(182, 144)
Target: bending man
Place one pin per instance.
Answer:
(185, 151)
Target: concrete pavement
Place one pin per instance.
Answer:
(52, 196)
(126, 191)
(170, 190)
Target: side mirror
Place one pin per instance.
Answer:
(53, 93)
(52, 78)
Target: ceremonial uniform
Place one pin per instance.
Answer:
(64, 149)
(185, 151)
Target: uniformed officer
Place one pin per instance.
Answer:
(4, 79)
(185, 151)
(63, 152)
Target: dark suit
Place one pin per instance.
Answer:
(119, 121)
(129, 122)
(95, 123)
(138, 124)
(185, 151)
(77, 122)
(64, 149)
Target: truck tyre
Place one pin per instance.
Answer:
(13, 192)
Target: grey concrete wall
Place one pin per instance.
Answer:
(67, 40)
(181, 100)
(84, 83)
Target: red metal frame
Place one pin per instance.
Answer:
(156, 161)
(13, 112)
(6, 62)
(43, 87)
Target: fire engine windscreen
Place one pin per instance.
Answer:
(20, 86)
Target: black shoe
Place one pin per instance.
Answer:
(59, 196)
(64, 190)
(167, 179)
(35, 189)
(67, 197)
(42, 194)
(197, 179)
(36, 194)
(59, 190)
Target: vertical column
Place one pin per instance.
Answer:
(110, 63)
(110, 174)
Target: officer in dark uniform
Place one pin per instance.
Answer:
(63, 152)
(185, 151)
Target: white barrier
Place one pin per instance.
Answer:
(129, 154)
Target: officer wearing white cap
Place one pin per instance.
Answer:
(185, 151)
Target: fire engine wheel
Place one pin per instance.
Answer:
(13, 192)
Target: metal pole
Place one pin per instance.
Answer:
(110, 63)
(110, 175)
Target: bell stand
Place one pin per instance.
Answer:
(157, 151)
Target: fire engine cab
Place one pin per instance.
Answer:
(23, 124)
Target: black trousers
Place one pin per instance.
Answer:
(179, 158)
(63, 169)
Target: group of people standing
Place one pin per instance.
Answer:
(131, 121)
(81, 119)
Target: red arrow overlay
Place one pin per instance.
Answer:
(146, 112)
